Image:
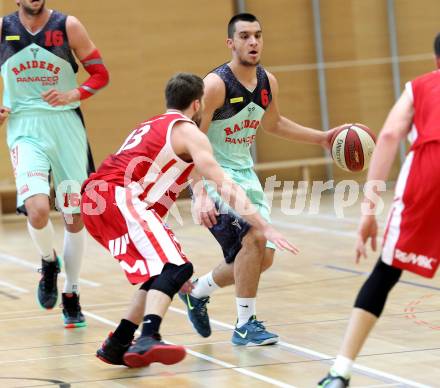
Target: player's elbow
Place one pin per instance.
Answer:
(274, 126)
(390, 137)
(273, 129)
(104, 77)
(270, 129)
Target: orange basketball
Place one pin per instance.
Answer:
(352, 146)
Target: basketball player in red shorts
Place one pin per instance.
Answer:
(123, 204)
(411, 239)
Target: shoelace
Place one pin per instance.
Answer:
(202, 306)
(72, 308)
(157, 336)
(104, 344)
(259, 325)
(49, 275)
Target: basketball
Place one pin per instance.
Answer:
(352, 146)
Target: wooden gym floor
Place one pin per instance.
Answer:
(305, 299)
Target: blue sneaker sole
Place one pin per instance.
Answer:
(244, 342)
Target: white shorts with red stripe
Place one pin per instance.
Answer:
(134, 235)
(411, 239)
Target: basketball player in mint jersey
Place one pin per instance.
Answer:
(233, 127)
(45, 133)
(239, 97)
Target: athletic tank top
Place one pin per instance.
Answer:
(33, 63)
(146, 163)
(234, 125)
(425, 93)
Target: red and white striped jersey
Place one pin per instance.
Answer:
(147, 164)
(425, 93)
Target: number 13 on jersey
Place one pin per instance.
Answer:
(134, 139)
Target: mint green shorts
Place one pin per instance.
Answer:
(48, 143)
(248, 180)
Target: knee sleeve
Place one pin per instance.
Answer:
(373, 294)
(172, 278)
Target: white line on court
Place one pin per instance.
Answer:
(377, 386)
(13, 287)
(208, 343)
(310, 352)
(27, 264)
(308, 228)
(213, 360)
(333, 218)
(32, 318)
(47, 358)
(38, 310)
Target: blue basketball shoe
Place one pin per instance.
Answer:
(197, 313)
(253, 333)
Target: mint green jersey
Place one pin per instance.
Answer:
(234, 125)
(34, 63)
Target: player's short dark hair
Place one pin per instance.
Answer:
(182, 89)
(240, 17)
(437, 45)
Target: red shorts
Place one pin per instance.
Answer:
(412, 235)
(134, 235)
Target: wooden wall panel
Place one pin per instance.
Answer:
(355, 32)
(287, 28)
(143, 43)
(289, 40)
(417, 25)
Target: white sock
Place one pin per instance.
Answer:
(204, 286)
(74, 245)
(342, 366)
(245, 309)
(43, 240)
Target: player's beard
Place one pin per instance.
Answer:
(246, 63)
(33, 11)
(197, 118)
(243, 62)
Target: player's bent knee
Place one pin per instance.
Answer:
(373, 294)
(172, 278)
(267, 259)
(255, 238)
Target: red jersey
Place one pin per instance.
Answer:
(147, 164)
(411, 237)
(425, 92)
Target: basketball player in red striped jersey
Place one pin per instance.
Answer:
(411, 236)
(123, 204)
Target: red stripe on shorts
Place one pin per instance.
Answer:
(387, 229)
(171, 236)
(149, 234)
